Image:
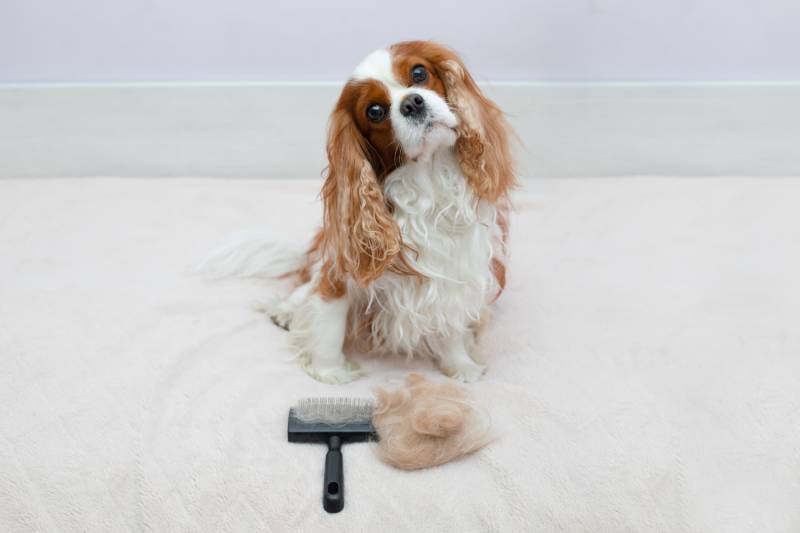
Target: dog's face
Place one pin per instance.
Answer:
(409, 100)
(399, 103)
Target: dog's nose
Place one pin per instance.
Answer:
(413, 105)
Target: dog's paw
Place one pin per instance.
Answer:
(282, 320)
(337, 374)
(278, 310)
(465, 372)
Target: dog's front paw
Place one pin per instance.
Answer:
(338, 374)
(465, 372)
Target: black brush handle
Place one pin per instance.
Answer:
(333, 489)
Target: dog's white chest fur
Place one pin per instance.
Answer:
(453, 234)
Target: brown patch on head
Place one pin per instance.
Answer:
(384, 153)
(406, 56)
(482, 145)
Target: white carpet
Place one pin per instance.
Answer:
(644, 371)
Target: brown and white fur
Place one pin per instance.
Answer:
(412, 249)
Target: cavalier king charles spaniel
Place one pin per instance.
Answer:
(411, 253)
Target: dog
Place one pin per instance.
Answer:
(412, 249)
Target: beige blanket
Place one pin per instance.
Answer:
(644, 366)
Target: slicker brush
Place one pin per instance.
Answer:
(333, 421)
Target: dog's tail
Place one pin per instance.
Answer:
(252, 255)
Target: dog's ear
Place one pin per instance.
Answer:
(361, 238)
(483, 134)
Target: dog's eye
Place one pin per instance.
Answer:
(419, 74)
(376, 113)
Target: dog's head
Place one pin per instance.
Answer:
(403, 104)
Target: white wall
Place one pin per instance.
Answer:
(561, 40)
(275, 130)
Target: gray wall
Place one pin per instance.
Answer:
(548, 40)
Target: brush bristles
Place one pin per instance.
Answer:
(334, 410)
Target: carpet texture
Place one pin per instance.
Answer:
(644, 366)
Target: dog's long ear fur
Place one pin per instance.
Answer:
(483, 135)
(360, 236)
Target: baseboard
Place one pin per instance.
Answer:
(278, 130)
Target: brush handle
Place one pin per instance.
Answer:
(333, 489)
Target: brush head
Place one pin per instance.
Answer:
(316, 419)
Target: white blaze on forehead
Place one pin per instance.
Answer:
(377, 66)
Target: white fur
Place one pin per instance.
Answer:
(317, 332)
(377, 66)
(252, 254)
(451, 231)
(436, 317)
(421, 139)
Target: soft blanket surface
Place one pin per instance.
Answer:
(644, 366)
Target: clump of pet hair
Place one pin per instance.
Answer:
(426, 423)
